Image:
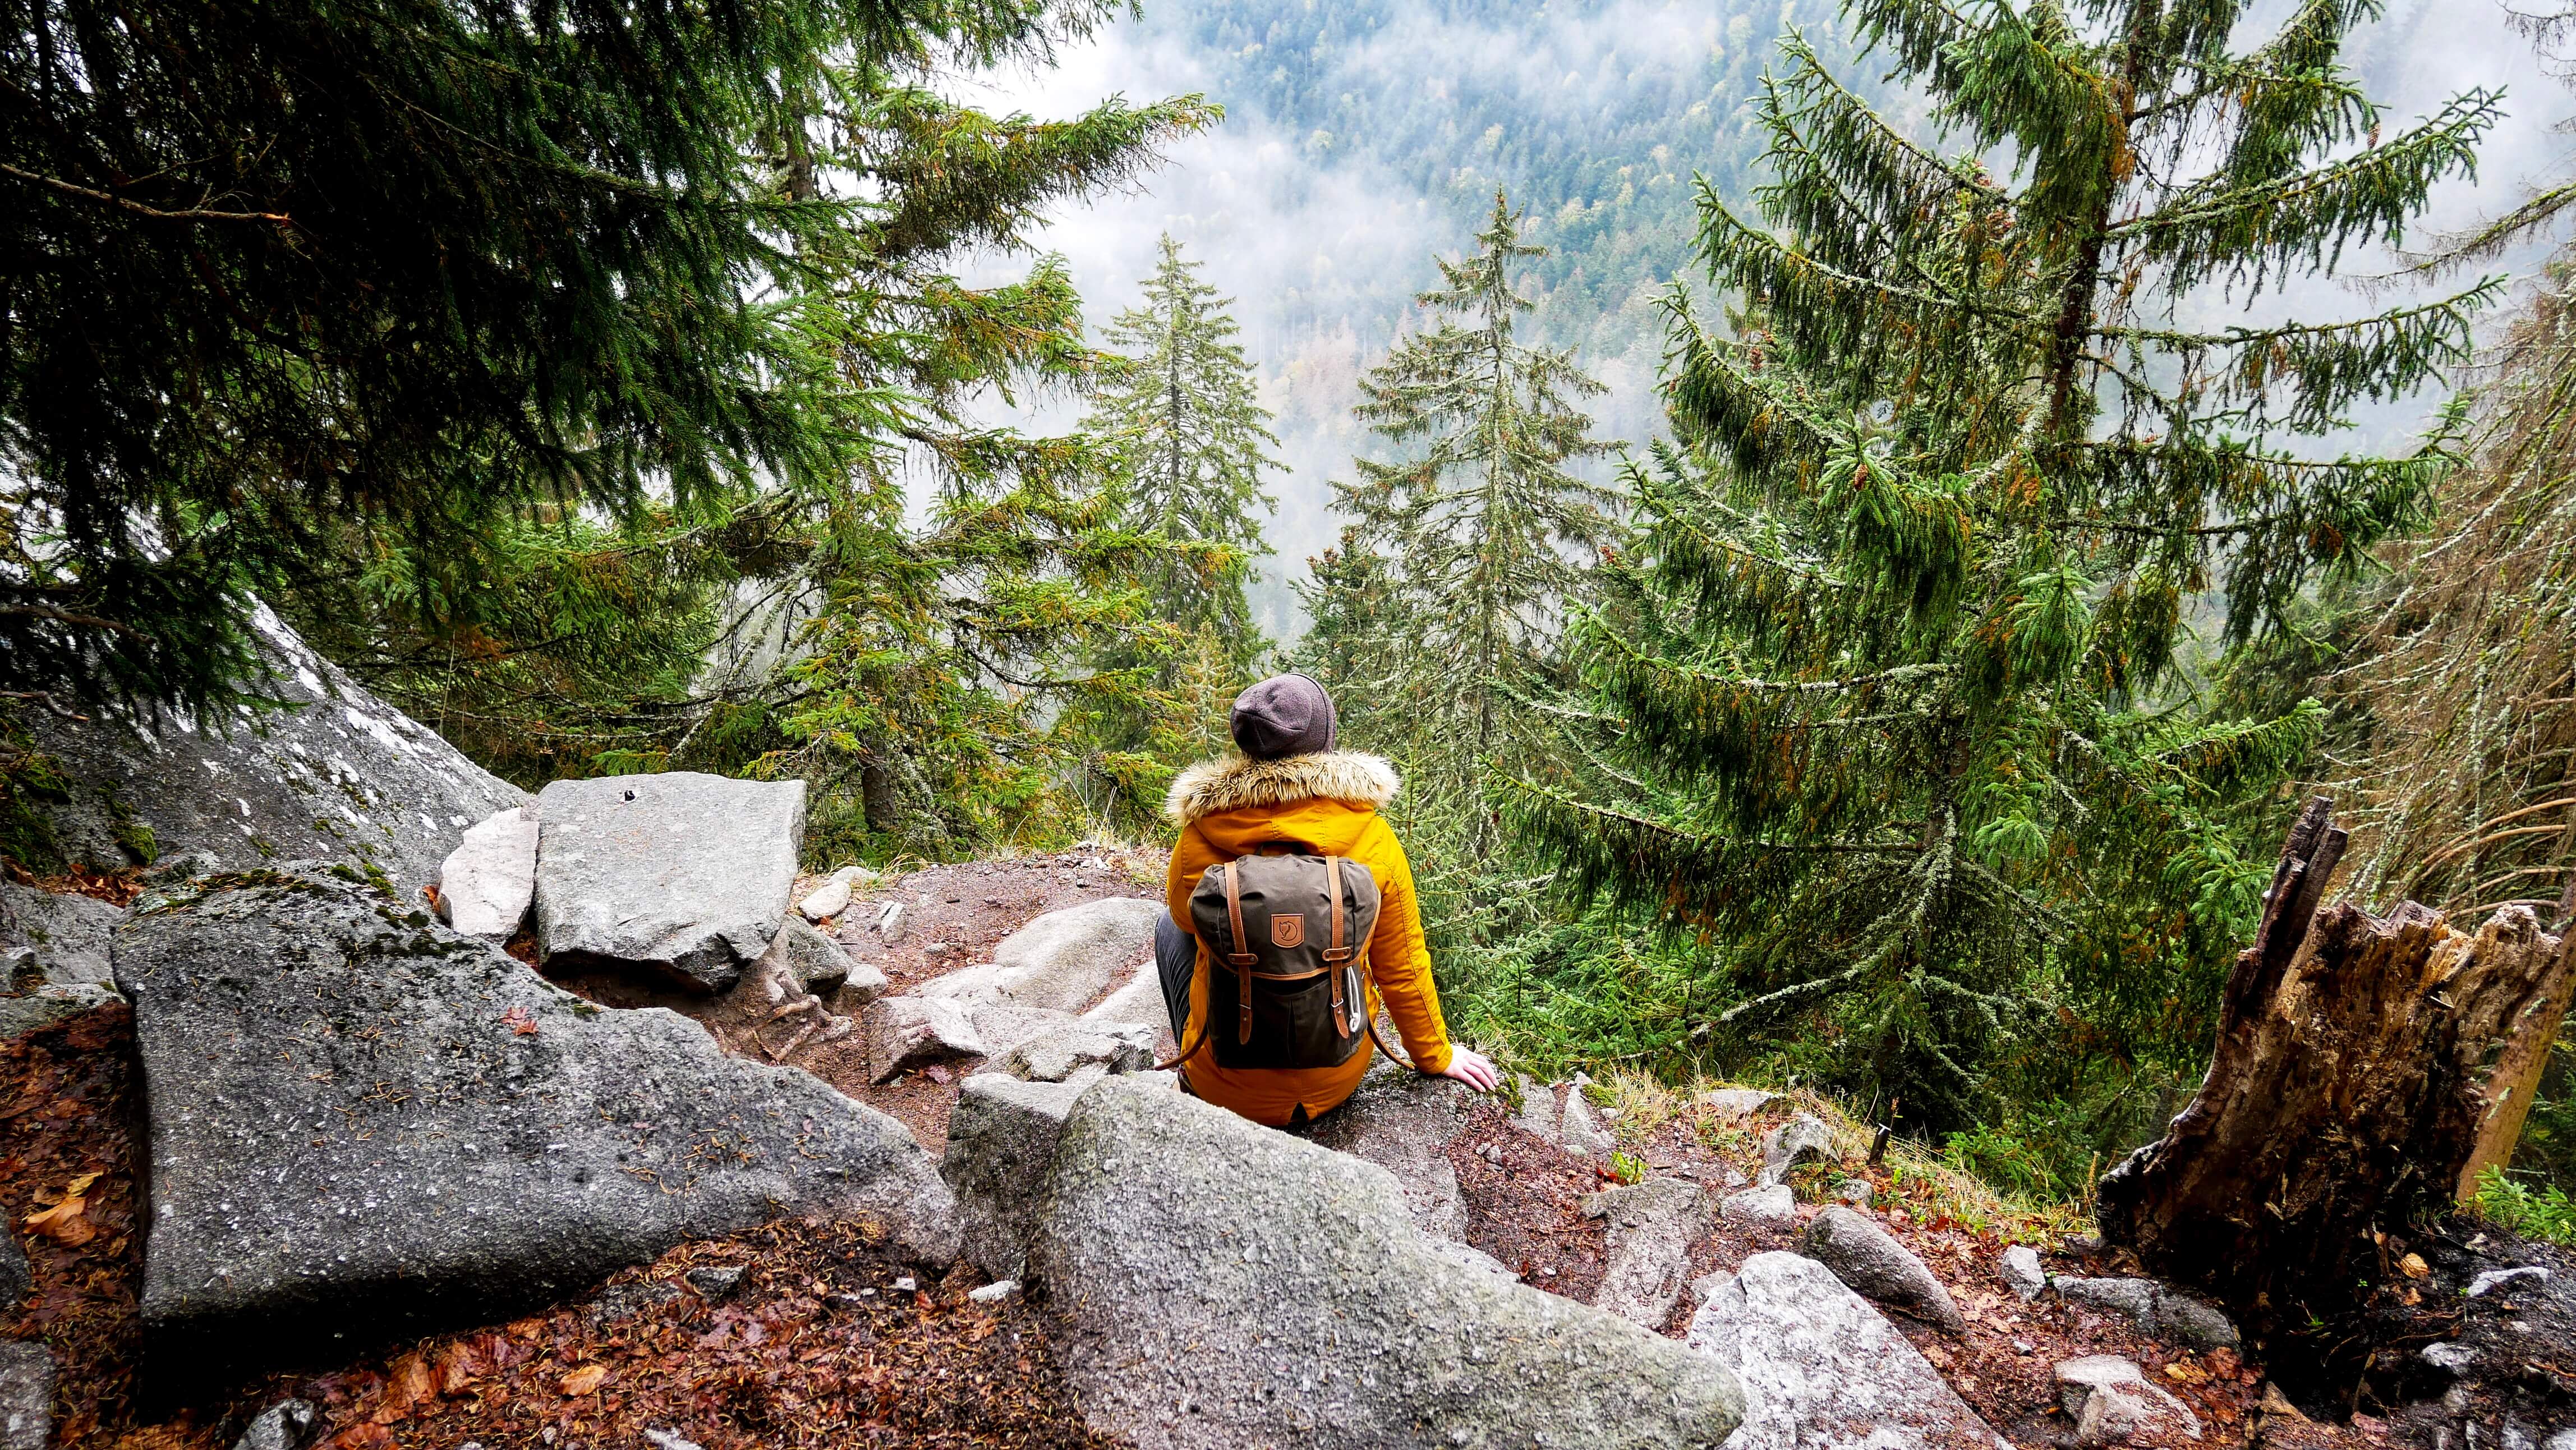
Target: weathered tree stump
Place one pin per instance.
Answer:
(2366, 1069)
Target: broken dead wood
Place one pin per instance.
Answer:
(2367, 1068)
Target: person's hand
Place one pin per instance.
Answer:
(1474, 1069)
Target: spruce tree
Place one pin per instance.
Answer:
(1893, 713)
(1484, 529)
(1183, 414)
(922, 661)
(274, 275)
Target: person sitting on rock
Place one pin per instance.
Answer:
(1292, 792)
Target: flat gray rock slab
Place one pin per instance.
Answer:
(338, 775)
(2111, 1400)
(680, 874)
(1869, 1259)
(1059, 1052)
(2159, 1309)
(1651, 1228)
(1772, 1207)
(1212, 1284)
(358, 1121)
(488, 881)
(42, 1008)
(61, 936)
(26, 1395)
(1066, 959)
(907, 1033)
(1404, 1122)
(1138, 1003)
(1822, 1370)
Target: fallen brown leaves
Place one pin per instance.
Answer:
(814, 1347)
(67, 1189)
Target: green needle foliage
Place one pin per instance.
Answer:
(1889, 709)
(912, 629)
(263, 268)
(1183, 414)
(1179, 411)
(1484, 531)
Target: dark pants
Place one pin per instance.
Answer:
(1176, 960)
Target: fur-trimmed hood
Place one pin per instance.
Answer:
(1213, 787)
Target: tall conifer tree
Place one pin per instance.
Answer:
(1886, 723)
(1484, 529)
(1184, 416)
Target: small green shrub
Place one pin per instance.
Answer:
(2545, 1213)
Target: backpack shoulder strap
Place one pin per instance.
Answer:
(1241, 958)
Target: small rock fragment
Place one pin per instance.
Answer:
(286, 1425)
(2155, 1308)
(2020, 1268)
(1802, 1139)
(833, 897)
(667, 1440)
(2528, 1276)
(1579, 1130)
(2449, 1356)
(1854, 1191)
(2113, 1401)
(1772, 1207)
(715, 1281)
(995, 1292)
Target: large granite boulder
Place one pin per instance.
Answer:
(1001, 1146)
(1213, 1284)
(681, 875)
(358, 1119)
(1821, 1369)
(334, 775)
(1404, 1121)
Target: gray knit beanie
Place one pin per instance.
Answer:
(1282, 716)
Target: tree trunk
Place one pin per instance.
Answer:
(2366, 1069)
(877, 798)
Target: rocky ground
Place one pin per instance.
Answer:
(772, 1236)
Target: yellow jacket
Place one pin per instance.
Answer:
(1327, 803)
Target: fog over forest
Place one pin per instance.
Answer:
(1360, 139)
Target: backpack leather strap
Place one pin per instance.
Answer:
(1241, 960)
(1335, 954)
